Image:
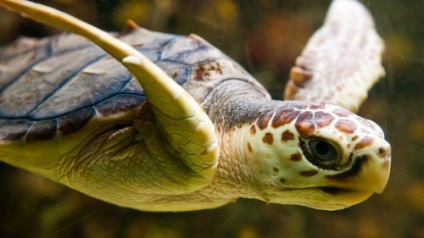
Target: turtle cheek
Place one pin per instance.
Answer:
(270, 171)
(290, 169)
(273, 166)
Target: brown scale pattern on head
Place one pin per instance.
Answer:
(300, 106)
(287, 135)
(252, 129)
(304, 124)
(346, 126)
(365, 123)
(268, 138)
(263, 120)
(365, 142)
(296, 157)
(317, 107)
(323, 119)
(283, 117)
(341, 113)
(308, 120)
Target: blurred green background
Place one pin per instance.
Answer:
(265, 36)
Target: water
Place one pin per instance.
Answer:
(265, 36)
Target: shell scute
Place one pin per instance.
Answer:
(71, 80)
(32, 88)
(181, 49)
(89, 87)
(114, 105)
(14, 55)
(76, 120)
(178, 71)
(13, 130)
(145, 39)
(43, 130)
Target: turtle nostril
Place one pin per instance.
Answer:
(384, 152)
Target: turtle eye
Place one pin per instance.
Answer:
(323, 152)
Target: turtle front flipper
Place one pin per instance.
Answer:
(185, 129)
(341, 61)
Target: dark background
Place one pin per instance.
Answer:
(265, 36)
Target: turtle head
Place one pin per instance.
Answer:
(317, 155)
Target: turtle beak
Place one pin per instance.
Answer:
(369, 172)
(376, 171)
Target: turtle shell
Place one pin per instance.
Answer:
(58, 84)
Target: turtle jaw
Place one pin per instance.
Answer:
(341, 198)
(369, 175)
(322, 198)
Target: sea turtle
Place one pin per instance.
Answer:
(190, 129)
